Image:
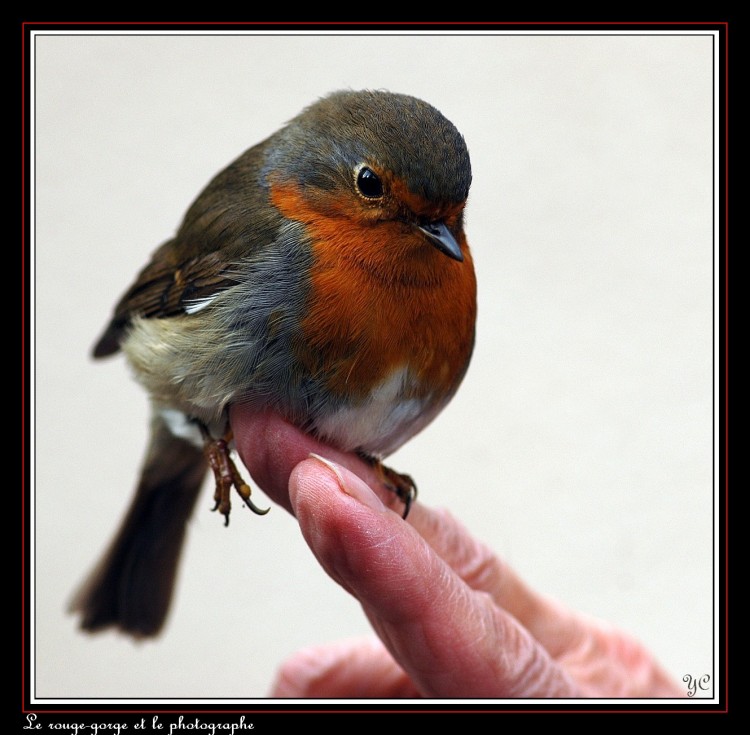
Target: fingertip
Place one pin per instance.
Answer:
(343, 479)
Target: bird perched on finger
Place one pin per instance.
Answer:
(324, 275)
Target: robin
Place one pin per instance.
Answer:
(324, 275)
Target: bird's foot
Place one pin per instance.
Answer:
(402, 485)
(227, 476)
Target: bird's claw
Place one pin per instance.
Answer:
(402, 485)
(227, 476)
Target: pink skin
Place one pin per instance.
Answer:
(452, 619)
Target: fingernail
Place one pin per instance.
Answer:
(352, 485)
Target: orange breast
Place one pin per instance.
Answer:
(382, 298)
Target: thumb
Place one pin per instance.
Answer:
(359, 668)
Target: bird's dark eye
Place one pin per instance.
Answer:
(369, 183)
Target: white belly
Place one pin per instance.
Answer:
(382, 422)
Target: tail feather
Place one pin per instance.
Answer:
(131, 588)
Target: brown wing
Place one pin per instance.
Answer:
(229, 220)
(164, 289)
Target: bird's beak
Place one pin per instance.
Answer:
(442, 238)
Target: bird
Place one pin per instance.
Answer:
(324, 274)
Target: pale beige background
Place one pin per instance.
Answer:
(579, 447)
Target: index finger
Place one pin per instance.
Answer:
(271, 448)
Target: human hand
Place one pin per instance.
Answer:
(453, 620)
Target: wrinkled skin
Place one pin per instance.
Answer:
(451, 618)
